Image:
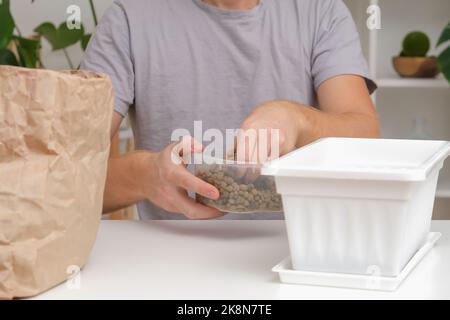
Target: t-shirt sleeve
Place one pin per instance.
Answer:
(109, 53)
(336, 45)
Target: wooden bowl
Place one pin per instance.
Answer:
(416, 67)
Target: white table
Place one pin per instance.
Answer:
(221, 260)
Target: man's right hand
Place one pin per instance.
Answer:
(165, 181)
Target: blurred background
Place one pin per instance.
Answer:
(413, 107)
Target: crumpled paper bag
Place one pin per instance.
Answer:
(54, 147)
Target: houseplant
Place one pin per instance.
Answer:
(413, 61)
(17, 50)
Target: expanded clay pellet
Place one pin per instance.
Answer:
(240, 197)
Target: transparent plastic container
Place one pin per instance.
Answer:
(242, 187)
(360, 206)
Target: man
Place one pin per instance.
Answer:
(292, 65)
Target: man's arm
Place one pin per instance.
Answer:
(123, 187)
(346, 110)
(154, 176)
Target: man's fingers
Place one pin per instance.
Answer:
(182, 151)
(277, 141)
(246, 144)
(190, 145)
(189, 182)
(240, 147)
(258, 145)
(194, 210)
(253, 150)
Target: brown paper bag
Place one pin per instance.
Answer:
(54, 146)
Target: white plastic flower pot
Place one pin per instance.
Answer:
(359, 206)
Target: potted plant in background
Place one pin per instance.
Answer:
(17, 50)
(413, 61)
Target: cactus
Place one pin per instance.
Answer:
(415, 44)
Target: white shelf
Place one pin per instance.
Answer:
(397, 82)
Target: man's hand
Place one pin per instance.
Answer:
(345, 110)
(270, 130)
(167, 182)
(160, 177)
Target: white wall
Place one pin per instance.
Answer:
(28, 16)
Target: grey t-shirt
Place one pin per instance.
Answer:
(176, 61)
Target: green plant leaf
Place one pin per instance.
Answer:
(445, 36)
(60, 38)
(28, 51)
(444, 63)
(8, 58)
(85, 41)
(7, 24)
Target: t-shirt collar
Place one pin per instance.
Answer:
(232, 14)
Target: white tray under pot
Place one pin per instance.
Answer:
(371, 281)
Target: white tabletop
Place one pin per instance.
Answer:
(221, 260)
